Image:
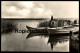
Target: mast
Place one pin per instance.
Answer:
(51, 17)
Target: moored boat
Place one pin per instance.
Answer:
(58, 30)
(36, 30)
(55, 29)
(63, 30)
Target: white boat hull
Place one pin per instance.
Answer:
(61, 31)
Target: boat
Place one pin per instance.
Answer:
(65, 30)
(36, 30)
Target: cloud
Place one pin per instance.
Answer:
(39, 9)
(24, 10)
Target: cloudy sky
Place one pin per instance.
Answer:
(38, 9)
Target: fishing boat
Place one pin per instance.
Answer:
(64, 30)
(59, 30)
(36, 30)
(53, 29)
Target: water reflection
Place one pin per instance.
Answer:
(37, 34)
(53, 40)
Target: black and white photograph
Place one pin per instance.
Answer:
(40, 26)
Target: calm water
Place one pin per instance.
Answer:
(33, 42)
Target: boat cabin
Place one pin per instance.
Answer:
(60, 22)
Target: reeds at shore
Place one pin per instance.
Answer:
(7, 26)
(44, 24)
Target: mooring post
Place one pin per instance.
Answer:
(71, 33)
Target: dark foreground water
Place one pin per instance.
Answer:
(33, 42)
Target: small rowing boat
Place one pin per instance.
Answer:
(36, 30)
